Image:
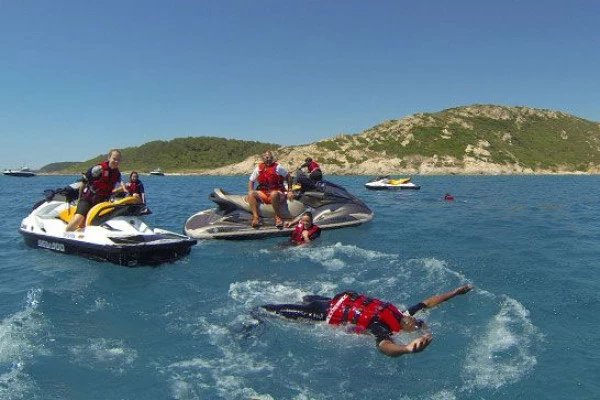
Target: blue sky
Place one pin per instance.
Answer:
(80, 77)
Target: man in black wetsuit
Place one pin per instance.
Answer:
(370, 315)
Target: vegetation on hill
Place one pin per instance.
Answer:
(189, 154)
(520, 137)
(482, 139)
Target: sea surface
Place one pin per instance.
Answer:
(72, 328)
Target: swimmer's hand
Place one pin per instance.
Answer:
(420, 343)
(389, 348)
(463, 289)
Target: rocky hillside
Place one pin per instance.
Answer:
(478, 139)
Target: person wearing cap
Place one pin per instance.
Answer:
(369, 315)
(271, 177)
(314, 170)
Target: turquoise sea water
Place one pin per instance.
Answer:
(72, 328)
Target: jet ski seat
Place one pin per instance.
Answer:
(109, 209)
(100, 212)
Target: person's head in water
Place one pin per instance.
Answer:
(411, 324)
(307, 220)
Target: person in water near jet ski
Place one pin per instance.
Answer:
(100, 182)
(305, 230)
(270, 177)
(369, 315)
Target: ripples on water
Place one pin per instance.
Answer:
(75, 328)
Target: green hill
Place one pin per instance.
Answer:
(478, 139)
(513, 138)
(182, 155)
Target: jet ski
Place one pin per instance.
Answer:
(332, 207)
(387, 183)
(114, 231)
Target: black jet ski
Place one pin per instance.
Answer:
(332, 207)
(114, 231)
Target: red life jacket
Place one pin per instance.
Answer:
(360, 310)
(313, 166)
(297, 237)
(268, 179)
(101, 188)
(133, 187)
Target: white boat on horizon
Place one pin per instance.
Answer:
(23, 172)
(157, 172)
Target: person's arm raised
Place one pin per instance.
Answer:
(440, 298)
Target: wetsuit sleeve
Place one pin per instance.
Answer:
(380, 331)
(412, 310)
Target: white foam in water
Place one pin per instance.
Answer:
(337, 256)
(109, 353)
(17, 349)
(230, 374)
(255, 293)
(503, 354)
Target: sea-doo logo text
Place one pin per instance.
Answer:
(51, 245)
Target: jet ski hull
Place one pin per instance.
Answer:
(114, 232)
(135, 254)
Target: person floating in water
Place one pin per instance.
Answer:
(368, 315)
(305, 230)
(448, 197)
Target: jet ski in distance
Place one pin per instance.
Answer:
(114, 231)
(332, 207)
(386, 183)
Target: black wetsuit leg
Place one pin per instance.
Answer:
(314, 311)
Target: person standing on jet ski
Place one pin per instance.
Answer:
(270, 177)
(99, 181)
(314, 170)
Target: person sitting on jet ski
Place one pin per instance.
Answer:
(99, 181)
(314, 170)
(368, 315)
(135, 187)
(305, 230)
(270, 177)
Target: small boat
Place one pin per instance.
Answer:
(332, 207)
(114, 231)
(23, 172)
(387, 183)
(157, 172)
